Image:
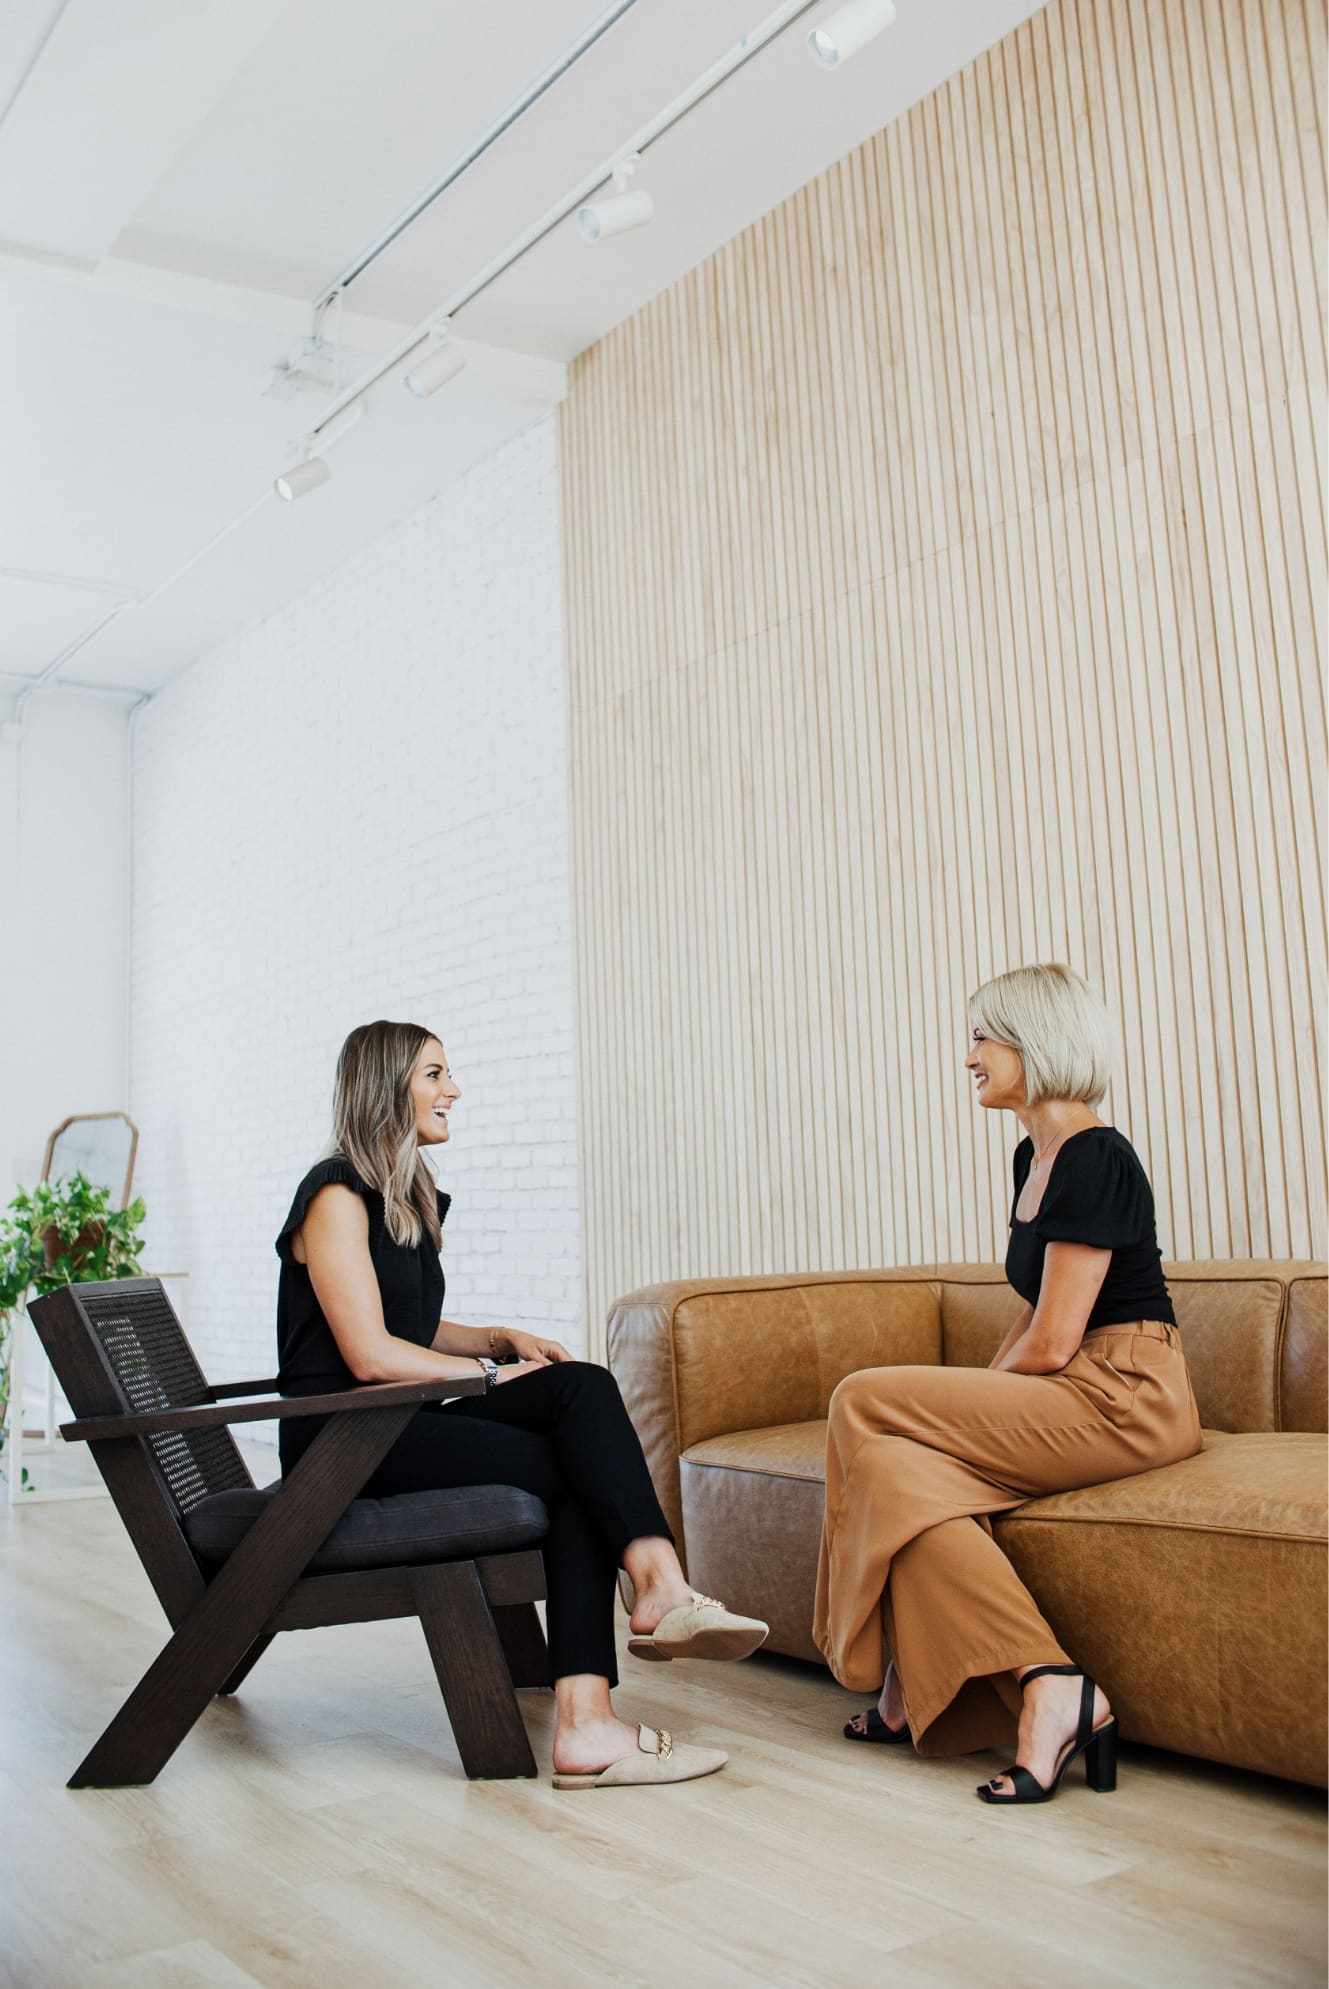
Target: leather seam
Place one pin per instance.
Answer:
(753, 1471)
(673, 1383)
(1280, 1332)
(838, 1280)
(1165, 1526)
(745, 1470)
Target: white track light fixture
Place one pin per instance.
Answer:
(848, 29)
(620, 211)
(301, 478)
(311, 470)
(441, 360)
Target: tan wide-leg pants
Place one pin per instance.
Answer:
(917, 1458)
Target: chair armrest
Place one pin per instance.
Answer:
(225, 1389)
(277, 1408)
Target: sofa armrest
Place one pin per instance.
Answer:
(1303, 1379)
(704, 1357)
(641, 1358)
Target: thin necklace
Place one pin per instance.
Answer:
(1039, 1158)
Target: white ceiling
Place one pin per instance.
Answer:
(180, 183)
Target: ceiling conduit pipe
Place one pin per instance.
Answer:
(665, 120)
(472, 156)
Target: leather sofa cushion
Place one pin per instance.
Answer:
(1229, 1329)
(413, 1527)
(1304, 1371)
(752, 1512)
(790, 1450)
(775, 1353)
(975, 1319)
(1270, 1487)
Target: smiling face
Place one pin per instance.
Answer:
(998, 1073)
(433, 1093)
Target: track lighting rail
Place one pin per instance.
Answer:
(540, 88)
(673, 113)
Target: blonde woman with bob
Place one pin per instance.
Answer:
(360, 1300)
(1089, 1384)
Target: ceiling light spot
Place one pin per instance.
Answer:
(620, 210)
(301, 478)
(848, 29)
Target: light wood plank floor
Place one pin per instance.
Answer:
(318, 1831)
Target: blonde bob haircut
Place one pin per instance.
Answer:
(1061, 1029)
(373, 1126)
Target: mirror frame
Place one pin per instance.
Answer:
(83, 1118)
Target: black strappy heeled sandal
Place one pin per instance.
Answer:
(1097, 1744)
(875, 1728)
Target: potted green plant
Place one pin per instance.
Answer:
(61, 1233)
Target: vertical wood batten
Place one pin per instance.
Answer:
(945, 587)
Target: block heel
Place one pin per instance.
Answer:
(1100, 1759)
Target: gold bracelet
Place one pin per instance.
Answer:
(494, 1353)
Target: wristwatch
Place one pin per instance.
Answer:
(490, 1371)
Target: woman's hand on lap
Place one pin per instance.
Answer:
(515, 1369)
(530, 1349)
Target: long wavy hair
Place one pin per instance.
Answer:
(373, 1126)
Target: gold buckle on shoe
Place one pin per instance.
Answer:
(664, 1743)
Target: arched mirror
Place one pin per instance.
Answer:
(100, 1145)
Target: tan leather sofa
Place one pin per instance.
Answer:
(1196, 1593)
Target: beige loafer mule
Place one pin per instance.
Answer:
(659, 1759)
(702, 1628)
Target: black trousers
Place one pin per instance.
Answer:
(563, 1433)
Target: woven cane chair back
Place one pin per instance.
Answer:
(154, 1368)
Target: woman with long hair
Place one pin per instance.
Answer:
(1089, 1384)
(360, 1300)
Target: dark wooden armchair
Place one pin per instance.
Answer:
(233, 1565)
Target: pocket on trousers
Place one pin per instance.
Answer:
(1105, 1379)
(1124, 1362)
(1140, 1359)
(1121, 1369)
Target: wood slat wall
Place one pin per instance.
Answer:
(945, 589)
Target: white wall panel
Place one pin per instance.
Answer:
(945, 589)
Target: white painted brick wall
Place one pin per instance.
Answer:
(62, 882)
(358, 809)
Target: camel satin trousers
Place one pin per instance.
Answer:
(916, 1460)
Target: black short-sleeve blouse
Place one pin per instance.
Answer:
(1097, 1193)
(409, 1280)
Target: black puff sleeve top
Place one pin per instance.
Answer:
(1099, 1194)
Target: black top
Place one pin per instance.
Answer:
(1096, 1193)
(410, 1281)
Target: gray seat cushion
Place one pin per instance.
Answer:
(385, 1533)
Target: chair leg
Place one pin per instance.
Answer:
(472, 1671)
(243, 1669)
(523, 1643)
